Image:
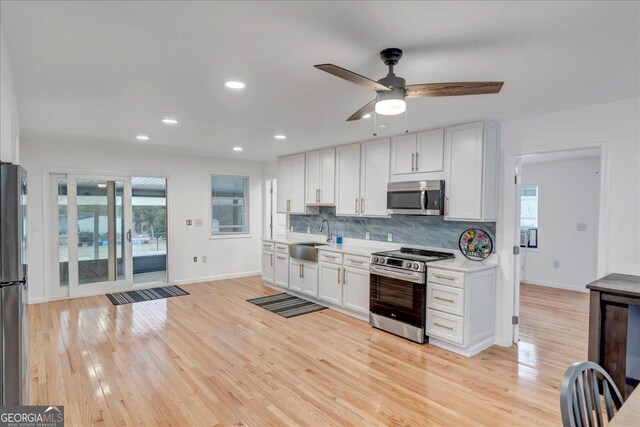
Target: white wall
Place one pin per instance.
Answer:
(9, 130)
(568, 194)
(614, 126)
(188, 198)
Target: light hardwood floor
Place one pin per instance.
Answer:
(212, 358)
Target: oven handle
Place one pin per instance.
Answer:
(395, 274)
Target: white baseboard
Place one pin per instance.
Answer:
(219, 277)
(555, 285)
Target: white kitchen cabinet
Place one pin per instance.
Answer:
(281, 270)
(320, 177)
(417, 156)
(471, 172)
(374, 177)
(291, 184)
(460, 309)
(330, 283)
(362, 174)
(268, 266)
(356, 290)
(303, 277)
(348, 180)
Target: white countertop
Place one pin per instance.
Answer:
(459, 263)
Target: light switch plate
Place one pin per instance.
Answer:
(198, 223)
(389, 237)
(204, 259)
(188, 222)
(367, 235)
(582, 226)
(556, 264)
(308, 230)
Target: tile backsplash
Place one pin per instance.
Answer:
(431, 231)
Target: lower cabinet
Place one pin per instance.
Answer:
(268, 270)
(303, 277)
(342, 285)
(281, 270)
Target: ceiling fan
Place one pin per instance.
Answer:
(392, 91)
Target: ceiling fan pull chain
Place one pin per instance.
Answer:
(375, 123)
(406, 120)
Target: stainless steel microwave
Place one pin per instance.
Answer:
(416, 198)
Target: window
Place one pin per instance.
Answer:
(529, 217)
(229, 205)
(529, 207)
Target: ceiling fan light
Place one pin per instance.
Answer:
(391, 107)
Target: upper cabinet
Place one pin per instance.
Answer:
(362, 172)
(320, 177)
(417, 156)
(471, 171)
(291, 194)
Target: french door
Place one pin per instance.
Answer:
(99, 219)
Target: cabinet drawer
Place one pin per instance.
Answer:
(282, 248)
(267, 246)
(445, 277)
(445, 298)
(331, 257)
(445, 326)
(356, 261)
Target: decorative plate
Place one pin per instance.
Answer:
(475, 244)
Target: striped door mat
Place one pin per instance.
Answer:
(118, 298)
(286, 305)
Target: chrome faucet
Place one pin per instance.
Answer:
(329, 236)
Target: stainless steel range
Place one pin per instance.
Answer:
(398, 289)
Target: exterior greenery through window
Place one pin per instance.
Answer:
(229, 204)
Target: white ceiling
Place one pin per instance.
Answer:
(103, 72)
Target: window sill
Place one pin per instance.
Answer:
(230, 236)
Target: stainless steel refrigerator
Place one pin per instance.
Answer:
(14, 330)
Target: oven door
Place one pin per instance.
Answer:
(398, 294)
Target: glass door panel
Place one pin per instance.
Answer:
(98, 245)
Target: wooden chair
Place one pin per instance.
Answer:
(580, 401)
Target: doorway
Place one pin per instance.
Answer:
(109, 233)
(558, 216)
(275, 224)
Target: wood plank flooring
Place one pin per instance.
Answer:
(211, 358)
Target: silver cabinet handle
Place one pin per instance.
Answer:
(417, 168)
(361, 205)
(356, 205)
(353, 261)
(339, 275)
(330, 257)
(444, 299)
(302, 268)
(344, 276)
(288, 205)
(446, 206)
(413, 156)
(443, 326)
(282, 258)
(444, 277)
(271, 259)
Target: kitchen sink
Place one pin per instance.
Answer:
(307, 251)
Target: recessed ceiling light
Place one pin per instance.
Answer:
(169, 121)
(366, 116)
(280, 137)
(142, 138)
(234, 85)
(238, 148)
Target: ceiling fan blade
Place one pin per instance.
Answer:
(452, 89)
(367, 109)
(351, 76)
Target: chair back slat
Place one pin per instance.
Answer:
(596, 398)
(580, 401)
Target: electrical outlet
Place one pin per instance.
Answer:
(198, 223)
(367, 235)
(308, 230)
(204, 259)
(389, 237)
(195, 259)
(188, 222)
(291, 229)
(556, 264)
(582, 226)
